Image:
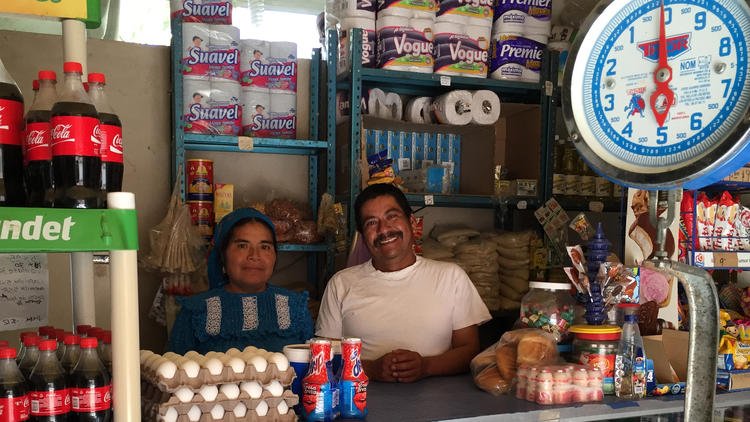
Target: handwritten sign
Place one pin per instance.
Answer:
(24, 291)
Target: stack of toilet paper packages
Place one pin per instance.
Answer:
(210, 77)
(427, 162)
(248, 385)
(462, 35)
(202, 11)
(268, 74)
(352, 14)
(520, 32)
(404, 35)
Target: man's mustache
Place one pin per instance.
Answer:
(382, 237)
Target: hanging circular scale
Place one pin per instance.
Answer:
(656, 91)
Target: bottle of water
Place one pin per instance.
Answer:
(630, 363)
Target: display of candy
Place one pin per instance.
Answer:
(559, 384)
(550, 319)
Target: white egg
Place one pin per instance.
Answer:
(217, 412)
(233, 351)
(261, 408)
(171, 415)
(249, 349)
(191, 368)
(150, 362)
(282, 408)
(184, 394)
(275, 388)
(225, 359)
(252, 389)
(166, 369)
(237, 364)
(209, 392)
(179, 359)
(240, 410)
(214, 366)
(194, 414)
(231, 390)
(211, 354)
(280, 360)
(259, 363)
(192, 354)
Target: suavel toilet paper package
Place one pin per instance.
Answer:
(203, 11)
(211, 106)
(210, 51)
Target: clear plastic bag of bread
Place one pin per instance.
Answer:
(494, 369)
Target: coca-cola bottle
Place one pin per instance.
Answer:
(105, 350)
(21, 347)
(48, 389)
(37, 156)
(71, 353)
(30, 355)
(14, 402)
(35, 88)
(111, 129)
(75, 144)
(12, 193)
(90, 386)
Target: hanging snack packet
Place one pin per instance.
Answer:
(580, 224)
(705, 217)
(726, 213)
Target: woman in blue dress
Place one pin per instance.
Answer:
(240, 308)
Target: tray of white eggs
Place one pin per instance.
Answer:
(263, 412)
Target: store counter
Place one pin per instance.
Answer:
(445, 398)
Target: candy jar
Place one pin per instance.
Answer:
(549, 306)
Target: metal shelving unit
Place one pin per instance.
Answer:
(314, 149)
(358, 78)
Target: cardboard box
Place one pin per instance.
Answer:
(669, 351)
(733, 380)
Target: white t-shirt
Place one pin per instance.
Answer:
(416, 308)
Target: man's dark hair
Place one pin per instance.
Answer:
(374, 191)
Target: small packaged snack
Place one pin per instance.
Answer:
(580, 224)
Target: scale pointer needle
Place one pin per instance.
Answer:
(662, 98)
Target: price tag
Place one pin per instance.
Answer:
(429, 200)
(245, 143)
(445, 81)
(596, 206)
(725, 259)
(522, 205)
(549, 88)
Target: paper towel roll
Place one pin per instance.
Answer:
(485, 107)
(453, 108)
(418, 110)
(254, 102)
(356, 8)
(223, 37)
(393, 107)
(283, 50)
(423, 25)
(283, 102)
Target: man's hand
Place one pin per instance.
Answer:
(380, 369)
(407, 366)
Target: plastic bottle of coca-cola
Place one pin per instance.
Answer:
(35, 88)
(14, 402)
(30, 355)
(48, 388)
(12, 193)
(21, 347)
(76, 164)
(90, 386)
(105, 350)
(72, 352)
(111, 129)
(37, 155)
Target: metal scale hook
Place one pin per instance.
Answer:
(703, 306)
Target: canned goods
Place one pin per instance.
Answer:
(202, 215)
(596, 347)
(200, 180)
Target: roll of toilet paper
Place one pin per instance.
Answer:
(423, 26)
(195, 40)
(418, 110)
(452, 18)
(424, 14)
(256, 102)
(401, 47)
(195, 91)
(283, 51)
(399, 12)
(356, 8)
(373, 102)
(384, 22)
(283, 102)
(223, 37)
(481, 34)
(368, 42)
(253, 56)
(393, 107)
(225, 92)
(514, 57)
(485, 107)
(453, 108)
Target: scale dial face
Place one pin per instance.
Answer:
(657, 92)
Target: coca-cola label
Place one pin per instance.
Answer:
(215, 12)
(111, 151)
(272, 125)
(49, 403)
(37, 142)
(14, 409)
(11, 122)
(75, 135)
(90, 399)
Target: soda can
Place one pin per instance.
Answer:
(353, 380)
(320, 399)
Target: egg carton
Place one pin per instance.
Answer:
(211, 393)
(250, 416)
(260, 407)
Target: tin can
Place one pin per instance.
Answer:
(320, 398)
(200, 179)
(353, 381)
(202, 215)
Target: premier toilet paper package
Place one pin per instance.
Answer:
(515, 57)
(522, 16)
(461, 50)
(205, 11)
(212, 106)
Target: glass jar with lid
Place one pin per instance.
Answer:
(596, 347)
(549, 306)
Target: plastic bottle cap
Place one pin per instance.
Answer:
(72, 339)
(35, 85)
(82, 329)
(7, 353)
(31, 340)
(106, 337)
(60, 334)
(47, 75)
(89, 343)
(4, 343)
(70, 67)
(97, 77)
(48, 344)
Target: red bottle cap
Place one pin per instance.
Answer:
(31, 340)
(27, 333)
(4, 343)
(47, 345)
(7, 353)
(71, 339)
(89, 343)
(35, 85)
(97, 77)
(47, 75)
(82, 329)
(70, 67)
(106, 337)
(86, 86)
(46, 330)
(60, 334)
(93, 332)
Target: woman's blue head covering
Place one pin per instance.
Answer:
(216, 275)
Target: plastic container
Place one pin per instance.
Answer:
(595, 346)
(549, 306)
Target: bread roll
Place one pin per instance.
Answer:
(505, 354)
(536, 348)
(490, 381)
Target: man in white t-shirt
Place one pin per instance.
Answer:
(416, 317)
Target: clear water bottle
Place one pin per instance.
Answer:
(630, 363)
